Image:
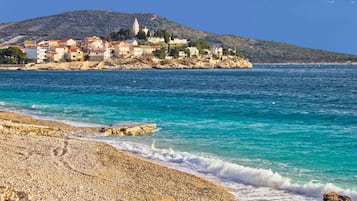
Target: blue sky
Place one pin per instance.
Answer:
(323, 24)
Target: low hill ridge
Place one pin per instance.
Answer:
(80, 24)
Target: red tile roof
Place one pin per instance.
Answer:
(97, 51)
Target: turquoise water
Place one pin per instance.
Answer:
(281, 130)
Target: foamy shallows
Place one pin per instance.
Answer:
(37, 113)
(247, 183)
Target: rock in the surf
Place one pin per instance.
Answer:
(135, 130)
(333, 196)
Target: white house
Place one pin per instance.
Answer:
(145, 30)
(217, 50)
(182, 54)
(102, 54)
(193, 51)
(156, 40)
(93, 42)
(178, 41)
(132, 42)
(42, 54)
(57, 53)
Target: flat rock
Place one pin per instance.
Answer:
(135, 130)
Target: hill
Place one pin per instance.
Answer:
(79, 24)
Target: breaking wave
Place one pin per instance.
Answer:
(256, 181)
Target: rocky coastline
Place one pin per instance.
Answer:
(140, 64)
(21, 124)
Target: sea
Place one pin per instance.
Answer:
(273, 132)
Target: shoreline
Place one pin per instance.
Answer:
(137, 64)
(51, 167)
(89, 65)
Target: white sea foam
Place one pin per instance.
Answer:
(248, 183)
(33, 111)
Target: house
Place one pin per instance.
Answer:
(52, 56)
(193, 51)
(182, 54)
(132, 42)
(75, 54)
(67, 42)
(79, 43)
(147, 49)
(93, 42)
(156, 40)
(30, 44)
(102, 54)
(42, 53)
(57, 53)
(30, 49)
(145, 30)
(217, 50)
(31, 52)
(178, 41)
(121, 48)
(53, 42)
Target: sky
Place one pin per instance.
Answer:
(322, 24)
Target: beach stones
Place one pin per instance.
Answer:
(10, 194)
(134, 130)
(333, 196)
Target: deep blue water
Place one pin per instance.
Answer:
(300, 122)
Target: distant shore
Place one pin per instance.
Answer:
(93, 65)
(41, 166)
(137, 64)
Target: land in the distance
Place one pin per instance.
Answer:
(80, 24)
(132, 48)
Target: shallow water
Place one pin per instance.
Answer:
(292, 128)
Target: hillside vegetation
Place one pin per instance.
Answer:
(79, 24)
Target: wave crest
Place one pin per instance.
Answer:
(229, 173)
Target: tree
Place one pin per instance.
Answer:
(239, 54)
(167, 38)
(200, 44)
(172, 36)
(13, 55)
(122, 34)
(160, 53)
(174, 52)
(141, 35)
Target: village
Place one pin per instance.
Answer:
(145, 46)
